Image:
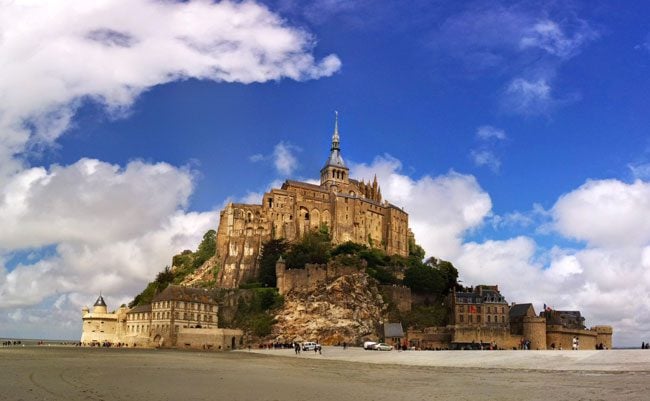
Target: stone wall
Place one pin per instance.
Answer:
(399, 295)
(430, 338)
(563, 337)
(604, 335)
(310, 277)
(499, 335)
(210, 339)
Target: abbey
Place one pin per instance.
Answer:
(352, 210)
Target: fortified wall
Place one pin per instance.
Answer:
(309, 277)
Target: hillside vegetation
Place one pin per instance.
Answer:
(183, 264)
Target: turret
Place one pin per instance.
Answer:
(100, 305)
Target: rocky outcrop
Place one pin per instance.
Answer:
(204, 275)
(347, 308)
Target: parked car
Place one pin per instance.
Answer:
(368, 345)
(383, 347)
(310, 346)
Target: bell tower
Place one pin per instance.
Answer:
(335, 171)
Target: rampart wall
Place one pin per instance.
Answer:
(309, 277)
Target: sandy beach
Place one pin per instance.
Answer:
(68, 373)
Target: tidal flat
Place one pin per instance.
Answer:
(72, 373)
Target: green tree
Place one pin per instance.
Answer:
(313, 247)
(271, 251)
(207, 248)
(448, 272)
(424, 279)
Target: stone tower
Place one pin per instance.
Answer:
(335, 172)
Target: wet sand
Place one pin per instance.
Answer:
(68, 373)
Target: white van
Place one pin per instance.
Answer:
(309, 346)
(369, 345)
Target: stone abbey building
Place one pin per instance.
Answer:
(352, 210)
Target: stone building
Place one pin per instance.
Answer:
(351, 210)
(181, 317)
(481, 317)
(100, 326)
(481, 306)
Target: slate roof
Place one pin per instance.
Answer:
(520, 310)
(188, 294)
(141, 309)
(100, 301)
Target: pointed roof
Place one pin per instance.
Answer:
(100, 301)
(335, 158)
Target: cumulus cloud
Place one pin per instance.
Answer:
(607, 213)
(441, 209)
(88, 202)
(57, 55)
(112, 228)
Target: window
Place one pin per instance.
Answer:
(488, 318)
(461, 318)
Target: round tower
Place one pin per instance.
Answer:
(535, 331)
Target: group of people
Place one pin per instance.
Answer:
(645, 345)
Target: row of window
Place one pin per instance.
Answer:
(477, 309)
(477, 319)
(181, 304)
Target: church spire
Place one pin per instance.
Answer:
(335, 137)
(335, 171)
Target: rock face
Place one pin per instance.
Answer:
(346, 308)
(202, 276)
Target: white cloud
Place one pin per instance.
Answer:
(441, 209)
(112, 228)
(607, 213)
(283, 159)
(528, 97)
(88, 202)
(488, 132)
(486, 158)
(550, 37)
(485, 155)
(58, 54)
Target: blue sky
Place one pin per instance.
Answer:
(514, 133)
